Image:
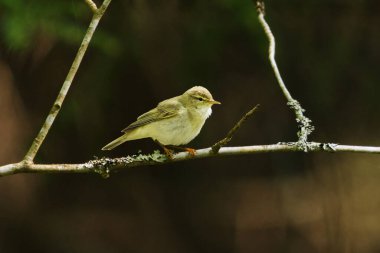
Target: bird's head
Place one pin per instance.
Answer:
(199, 97)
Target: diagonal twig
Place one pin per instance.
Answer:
(216, 147)
(304, 123)
(37, 142)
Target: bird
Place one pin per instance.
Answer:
(175, 121)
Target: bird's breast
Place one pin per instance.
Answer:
(180, 129)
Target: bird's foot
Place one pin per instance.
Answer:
(169, 149)
(191, 151)
(168, 152)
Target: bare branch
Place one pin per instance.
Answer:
(92, 5)
(105, 166)
(305, 126)
(215, 148)
(29, 157)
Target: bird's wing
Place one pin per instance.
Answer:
(166, 109)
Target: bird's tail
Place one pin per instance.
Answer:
(113, 144)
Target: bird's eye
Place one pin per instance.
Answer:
(200, 99)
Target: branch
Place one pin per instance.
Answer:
(92, 5)
(304, 123)
(30, 155)
(105, 166)
(215, 148)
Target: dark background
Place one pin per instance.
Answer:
(145, 51)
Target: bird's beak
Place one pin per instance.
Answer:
(214, 102)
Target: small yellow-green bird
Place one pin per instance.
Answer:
(175, 121)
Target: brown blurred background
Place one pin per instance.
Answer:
(148, 50)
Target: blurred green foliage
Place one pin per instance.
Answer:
(23, 21)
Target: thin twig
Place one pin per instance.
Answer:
(29, 157)
(92, 5)
(272, 49)
(215, 148)
(105, 166)
(304, 123)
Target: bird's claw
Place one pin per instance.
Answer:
(168, 152)
(191, 151)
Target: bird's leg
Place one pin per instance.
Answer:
(191, 151)
(168, 152)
